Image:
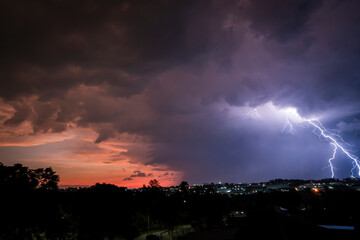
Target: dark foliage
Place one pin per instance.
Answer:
(152, 237)
(32, 207)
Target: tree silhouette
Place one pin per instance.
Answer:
(47, 178)
(32, 210)
(20, 177)
(154, 183)
(184, 186)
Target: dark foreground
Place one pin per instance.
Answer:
(32, 207)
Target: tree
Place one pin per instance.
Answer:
(32, 209)
(47, 178)
(184, 186)
(20, 177)
(154, 183)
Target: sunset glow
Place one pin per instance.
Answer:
(124, 92)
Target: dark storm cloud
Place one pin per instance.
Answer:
(138, 174)
(280, 19)
(50, 46)
(171, 71)
(164, 175)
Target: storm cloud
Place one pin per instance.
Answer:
(185, 77)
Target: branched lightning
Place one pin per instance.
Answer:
(330, 135)
(334, 139)
(288, 128)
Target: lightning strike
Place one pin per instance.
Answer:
(332, 139)
(330, 136)
(331, 159)
(288, 127)
(293, 118)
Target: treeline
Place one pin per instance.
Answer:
(32, 207)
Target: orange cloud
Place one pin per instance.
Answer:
(79, 161)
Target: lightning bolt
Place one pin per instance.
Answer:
(331, 159)
(288, 127)
(322, 132)
(332, 136)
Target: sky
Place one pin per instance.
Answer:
(124, 92)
